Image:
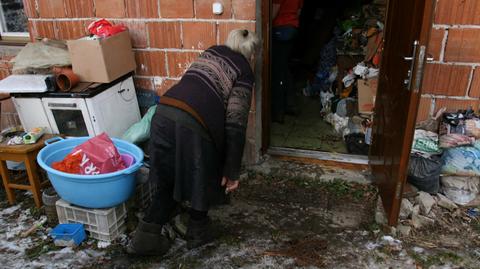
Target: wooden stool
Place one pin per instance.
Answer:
(28, 155)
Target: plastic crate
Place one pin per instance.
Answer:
(102, 224)
(145, 190)
(68, 234)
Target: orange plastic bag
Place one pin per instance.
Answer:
(71, 164)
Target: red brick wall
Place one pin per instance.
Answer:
(167, 35)
(7, 53)
(453, 79)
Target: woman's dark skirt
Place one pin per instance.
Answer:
(184, 161)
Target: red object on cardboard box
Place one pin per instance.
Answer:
(104, 28)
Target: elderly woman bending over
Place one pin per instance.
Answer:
(196, 141)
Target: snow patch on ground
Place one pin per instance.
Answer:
(13, 221)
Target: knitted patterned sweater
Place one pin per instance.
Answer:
(218, 87)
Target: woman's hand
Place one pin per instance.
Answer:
(231, 185)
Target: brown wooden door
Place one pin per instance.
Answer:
(408, 22)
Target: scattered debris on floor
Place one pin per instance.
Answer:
(273, 222)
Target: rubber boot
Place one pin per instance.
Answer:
(148, 240)
(199, 233)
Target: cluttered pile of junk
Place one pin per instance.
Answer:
(346, 77)
(80, 115)
(445, 157)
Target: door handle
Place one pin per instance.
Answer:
(429, 59)
(412, 59)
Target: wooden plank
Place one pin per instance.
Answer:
(20, 186)
(319, 156)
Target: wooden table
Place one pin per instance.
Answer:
(28, 155)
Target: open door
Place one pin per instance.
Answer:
(407, 30)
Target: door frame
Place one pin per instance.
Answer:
(266, 21)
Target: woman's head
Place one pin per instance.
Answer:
(243, 41)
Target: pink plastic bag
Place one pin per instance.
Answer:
(99, 156)
(104, 28)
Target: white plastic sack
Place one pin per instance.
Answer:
(338, 123)
(348, 80)
(364, 71)
(461, 190)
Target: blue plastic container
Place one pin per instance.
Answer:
(68, 234)
(92, 191)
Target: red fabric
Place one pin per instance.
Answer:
(288, 13)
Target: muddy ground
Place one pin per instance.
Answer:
(272, 222)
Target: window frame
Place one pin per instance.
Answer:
(12, 37)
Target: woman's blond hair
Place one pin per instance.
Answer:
(243, 41)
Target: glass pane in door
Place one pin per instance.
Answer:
(70, 122)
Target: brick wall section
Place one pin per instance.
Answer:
(167, 35)
(453, 79)
(7, 53)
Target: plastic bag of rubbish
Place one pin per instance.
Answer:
(472, 127)
(424, 173)
(364, 71)
(348, 80)
(338, 123)
(356, 143)
(326, 101)
(464, 161)
(347, 107)
(455, 140)
(461, 190)
(140, 131)
(425, 143)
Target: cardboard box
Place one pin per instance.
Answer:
(102, 60)
(367, 92)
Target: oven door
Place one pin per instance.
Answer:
(68, 116)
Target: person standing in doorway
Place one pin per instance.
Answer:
(285, 26)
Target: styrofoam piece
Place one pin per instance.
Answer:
(23, 84)
(102, 224)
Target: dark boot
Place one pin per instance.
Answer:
(199, 233)
(148, 240)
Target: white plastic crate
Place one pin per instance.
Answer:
(145, 189)
(102, 224)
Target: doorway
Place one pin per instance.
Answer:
(406, 33)
(320, 112)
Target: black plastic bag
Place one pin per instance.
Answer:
(424, 173)
(356, 144)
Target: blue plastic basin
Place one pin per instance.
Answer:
(92, 191)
